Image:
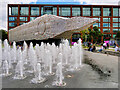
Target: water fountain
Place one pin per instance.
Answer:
(59, 76)
(80, 51)
(41, 60)
(0, 53)
(19, 72)
(5, 69)
(50, 63)
(38, 77)
(14, 53)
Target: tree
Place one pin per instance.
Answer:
(3, 34)
(117, 35)
(95, 34)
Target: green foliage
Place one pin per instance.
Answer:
(3, 35)
(118, 35)
(94, 34)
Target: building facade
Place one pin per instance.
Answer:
(108, 15)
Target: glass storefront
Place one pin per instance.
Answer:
(34, 11)
(86, 11)
(96, 11)
(24, 11)
(76, 11)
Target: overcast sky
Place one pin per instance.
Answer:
(3, 6)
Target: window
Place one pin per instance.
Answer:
(119, 11)
(10, 28)
(106, 19)
(106, 24)
(41, 11)
(115, 24)
(97, 18)
(115, 30)
(86, 11)
(32, 18)
(114, 35)
(22, 23)
(55, 11)
(115, 19)
(14, 11)
(96, 12)
(34, 11)
(106, 11)
(12, 18)
(115, 11)
(24, 11)
(96, 24)
(64, 11)
(106, 30)
(23, 18)
(76, 11)
(12, 24)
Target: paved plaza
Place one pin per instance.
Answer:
(87, 77)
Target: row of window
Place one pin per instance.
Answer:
(107, 24)
(64, 11)
(32, 18)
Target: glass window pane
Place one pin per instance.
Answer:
(10, 10)
(86, 11)
(12, 18)
(24, 10)
(115, 24)
(22, 23)
(96, 12)
(115, 19)
(55, 11)
(106, 11)
(64, 11)
(76, 11)
(32, 18)
(106, 19)
(96, 24)
(115, 30)
(119, 11)
(14, 11)
(115, 11)
(97, 18)
(23, 18)
(106, 30)
(106, 24)
(41, 11)
(12, 24)
(114, 35)
(34, 11)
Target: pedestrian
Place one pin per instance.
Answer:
(101, 48)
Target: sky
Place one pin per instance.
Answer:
(3, 5)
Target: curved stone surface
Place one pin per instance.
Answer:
(50, 26)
